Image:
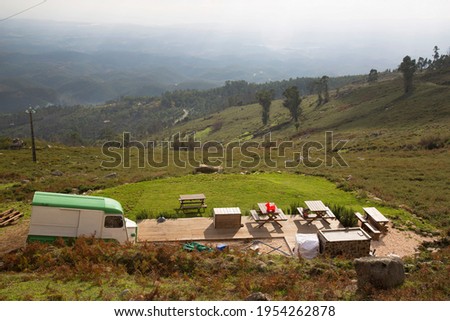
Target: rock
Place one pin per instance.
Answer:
(380, 272)
(258, 296)
(406, 208)
(124, 294)
(314, 271)
(111, 175)
(207, 169)
(261, 267)
(57, 173)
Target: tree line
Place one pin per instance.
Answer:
(408, 67)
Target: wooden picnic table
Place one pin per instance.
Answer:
(265, 216)
(316, 210)
(375, 218)
(192, 202)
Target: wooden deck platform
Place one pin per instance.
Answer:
(202, 229)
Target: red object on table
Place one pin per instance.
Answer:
(270, 208)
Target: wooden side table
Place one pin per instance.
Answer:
(227, 217)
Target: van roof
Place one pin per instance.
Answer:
(108, 205)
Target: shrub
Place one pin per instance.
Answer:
(292, 209)
(345, 215)
(432, 142)
(5, 142)
(142, 215)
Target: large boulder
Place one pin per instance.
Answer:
(207, 169)
(380, 272)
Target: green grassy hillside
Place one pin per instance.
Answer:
(353, 110)
(397, 145)
(398, 160)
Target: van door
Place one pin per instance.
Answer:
(114, 228)
(90, 223)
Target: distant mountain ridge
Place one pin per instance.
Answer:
(231, 112)
(51, 63)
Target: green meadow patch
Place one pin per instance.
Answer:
(160, 196)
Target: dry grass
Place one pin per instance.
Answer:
(167, 272)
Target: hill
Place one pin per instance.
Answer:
(397, 158)
(396, 146)
(86, 125)
(359, 108)
(55, 63)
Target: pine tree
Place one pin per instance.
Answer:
(264, 98)
(408, 68)
(292, 101)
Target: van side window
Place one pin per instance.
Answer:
(113, 221)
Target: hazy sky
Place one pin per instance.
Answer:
(266, 14)
(279, 22)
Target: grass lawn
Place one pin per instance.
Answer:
(160, 196)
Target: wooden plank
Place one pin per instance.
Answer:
(202, 228)
(7, 212)
(11, 220)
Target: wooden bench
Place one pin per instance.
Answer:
(308, 218)
(255, 216)
(330, 214)
(281, 216)
(265, 219)
(192, 202)
(184, 207)
(373, 232)
(360, 218)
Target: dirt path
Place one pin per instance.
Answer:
(401, 243)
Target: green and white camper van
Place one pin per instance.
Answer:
(69, 216)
